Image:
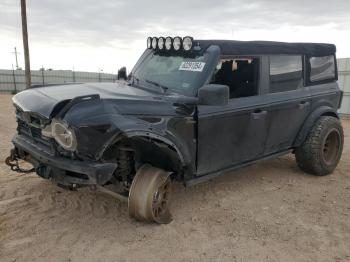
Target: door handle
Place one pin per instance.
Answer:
(258, 114)
(303, 104)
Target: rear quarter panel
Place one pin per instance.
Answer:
(325, 95)
(325, 100)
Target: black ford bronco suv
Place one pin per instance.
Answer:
(190, 110)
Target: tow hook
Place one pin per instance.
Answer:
(12, 162)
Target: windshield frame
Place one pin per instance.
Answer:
(212, 53)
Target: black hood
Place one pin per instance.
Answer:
(44, 100)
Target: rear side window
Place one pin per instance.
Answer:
(322, 68)
(286, 73)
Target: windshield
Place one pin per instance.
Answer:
(171, 73)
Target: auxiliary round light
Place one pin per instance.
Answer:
(168, 43)
(187, 43)
(177, 43)
(149, 42)
(161, 42)
(154, 42)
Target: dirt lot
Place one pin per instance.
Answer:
(267, 212)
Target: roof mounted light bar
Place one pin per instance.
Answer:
(177, 43)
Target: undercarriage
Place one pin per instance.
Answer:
(146, 188)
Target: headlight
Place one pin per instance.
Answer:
(154, 42)
(187, 43)
(64, 135)
(149, 42)
(177, 43)
(161, 41)
(168, 43)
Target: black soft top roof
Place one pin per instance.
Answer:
(231, 47)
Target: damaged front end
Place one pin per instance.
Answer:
(89, 140)
(49, 145)
(50, 159)
(59, 169)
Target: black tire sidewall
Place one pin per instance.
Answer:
(309, 155)
(335, 126)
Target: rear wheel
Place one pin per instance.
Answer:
(149, 195)
(322, 149)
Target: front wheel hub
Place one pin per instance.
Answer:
(150, 194)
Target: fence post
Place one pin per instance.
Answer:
(73, 72)
(14, 79)
(42, 75)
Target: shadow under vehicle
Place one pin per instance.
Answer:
(190, 110)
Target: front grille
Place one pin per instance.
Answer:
(33, 133)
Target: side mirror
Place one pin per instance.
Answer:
(122, 73)
(213, 95)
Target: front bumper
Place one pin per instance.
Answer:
(59, 169)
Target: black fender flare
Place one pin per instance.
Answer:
(310, 121)
(181, 150)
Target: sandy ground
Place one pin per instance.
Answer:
(267, 212)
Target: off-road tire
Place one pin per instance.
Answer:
(312, 156)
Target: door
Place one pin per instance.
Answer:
(231, 134)
(287, 113)
(289, 102)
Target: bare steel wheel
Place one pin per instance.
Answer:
(331, 146)
(149, 195)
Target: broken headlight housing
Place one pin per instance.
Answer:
(62, 133)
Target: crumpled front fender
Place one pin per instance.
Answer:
(98, 126)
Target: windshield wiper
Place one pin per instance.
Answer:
(164, 88)
(134, 78)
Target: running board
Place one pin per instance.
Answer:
(197, 180)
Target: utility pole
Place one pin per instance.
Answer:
(16, 58)
(25, 43)
(14, 80)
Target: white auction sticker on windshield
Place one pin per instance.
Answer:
(192, 66)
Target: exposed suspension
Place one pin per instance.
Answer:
(126, 163)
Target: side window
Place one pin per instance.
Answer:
(286, 73)
(240, 74)
(322, 68)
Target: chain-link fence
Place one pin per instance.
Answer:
(14, 80)
(344, 84)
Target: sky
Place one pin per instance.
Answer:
(104, 35)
